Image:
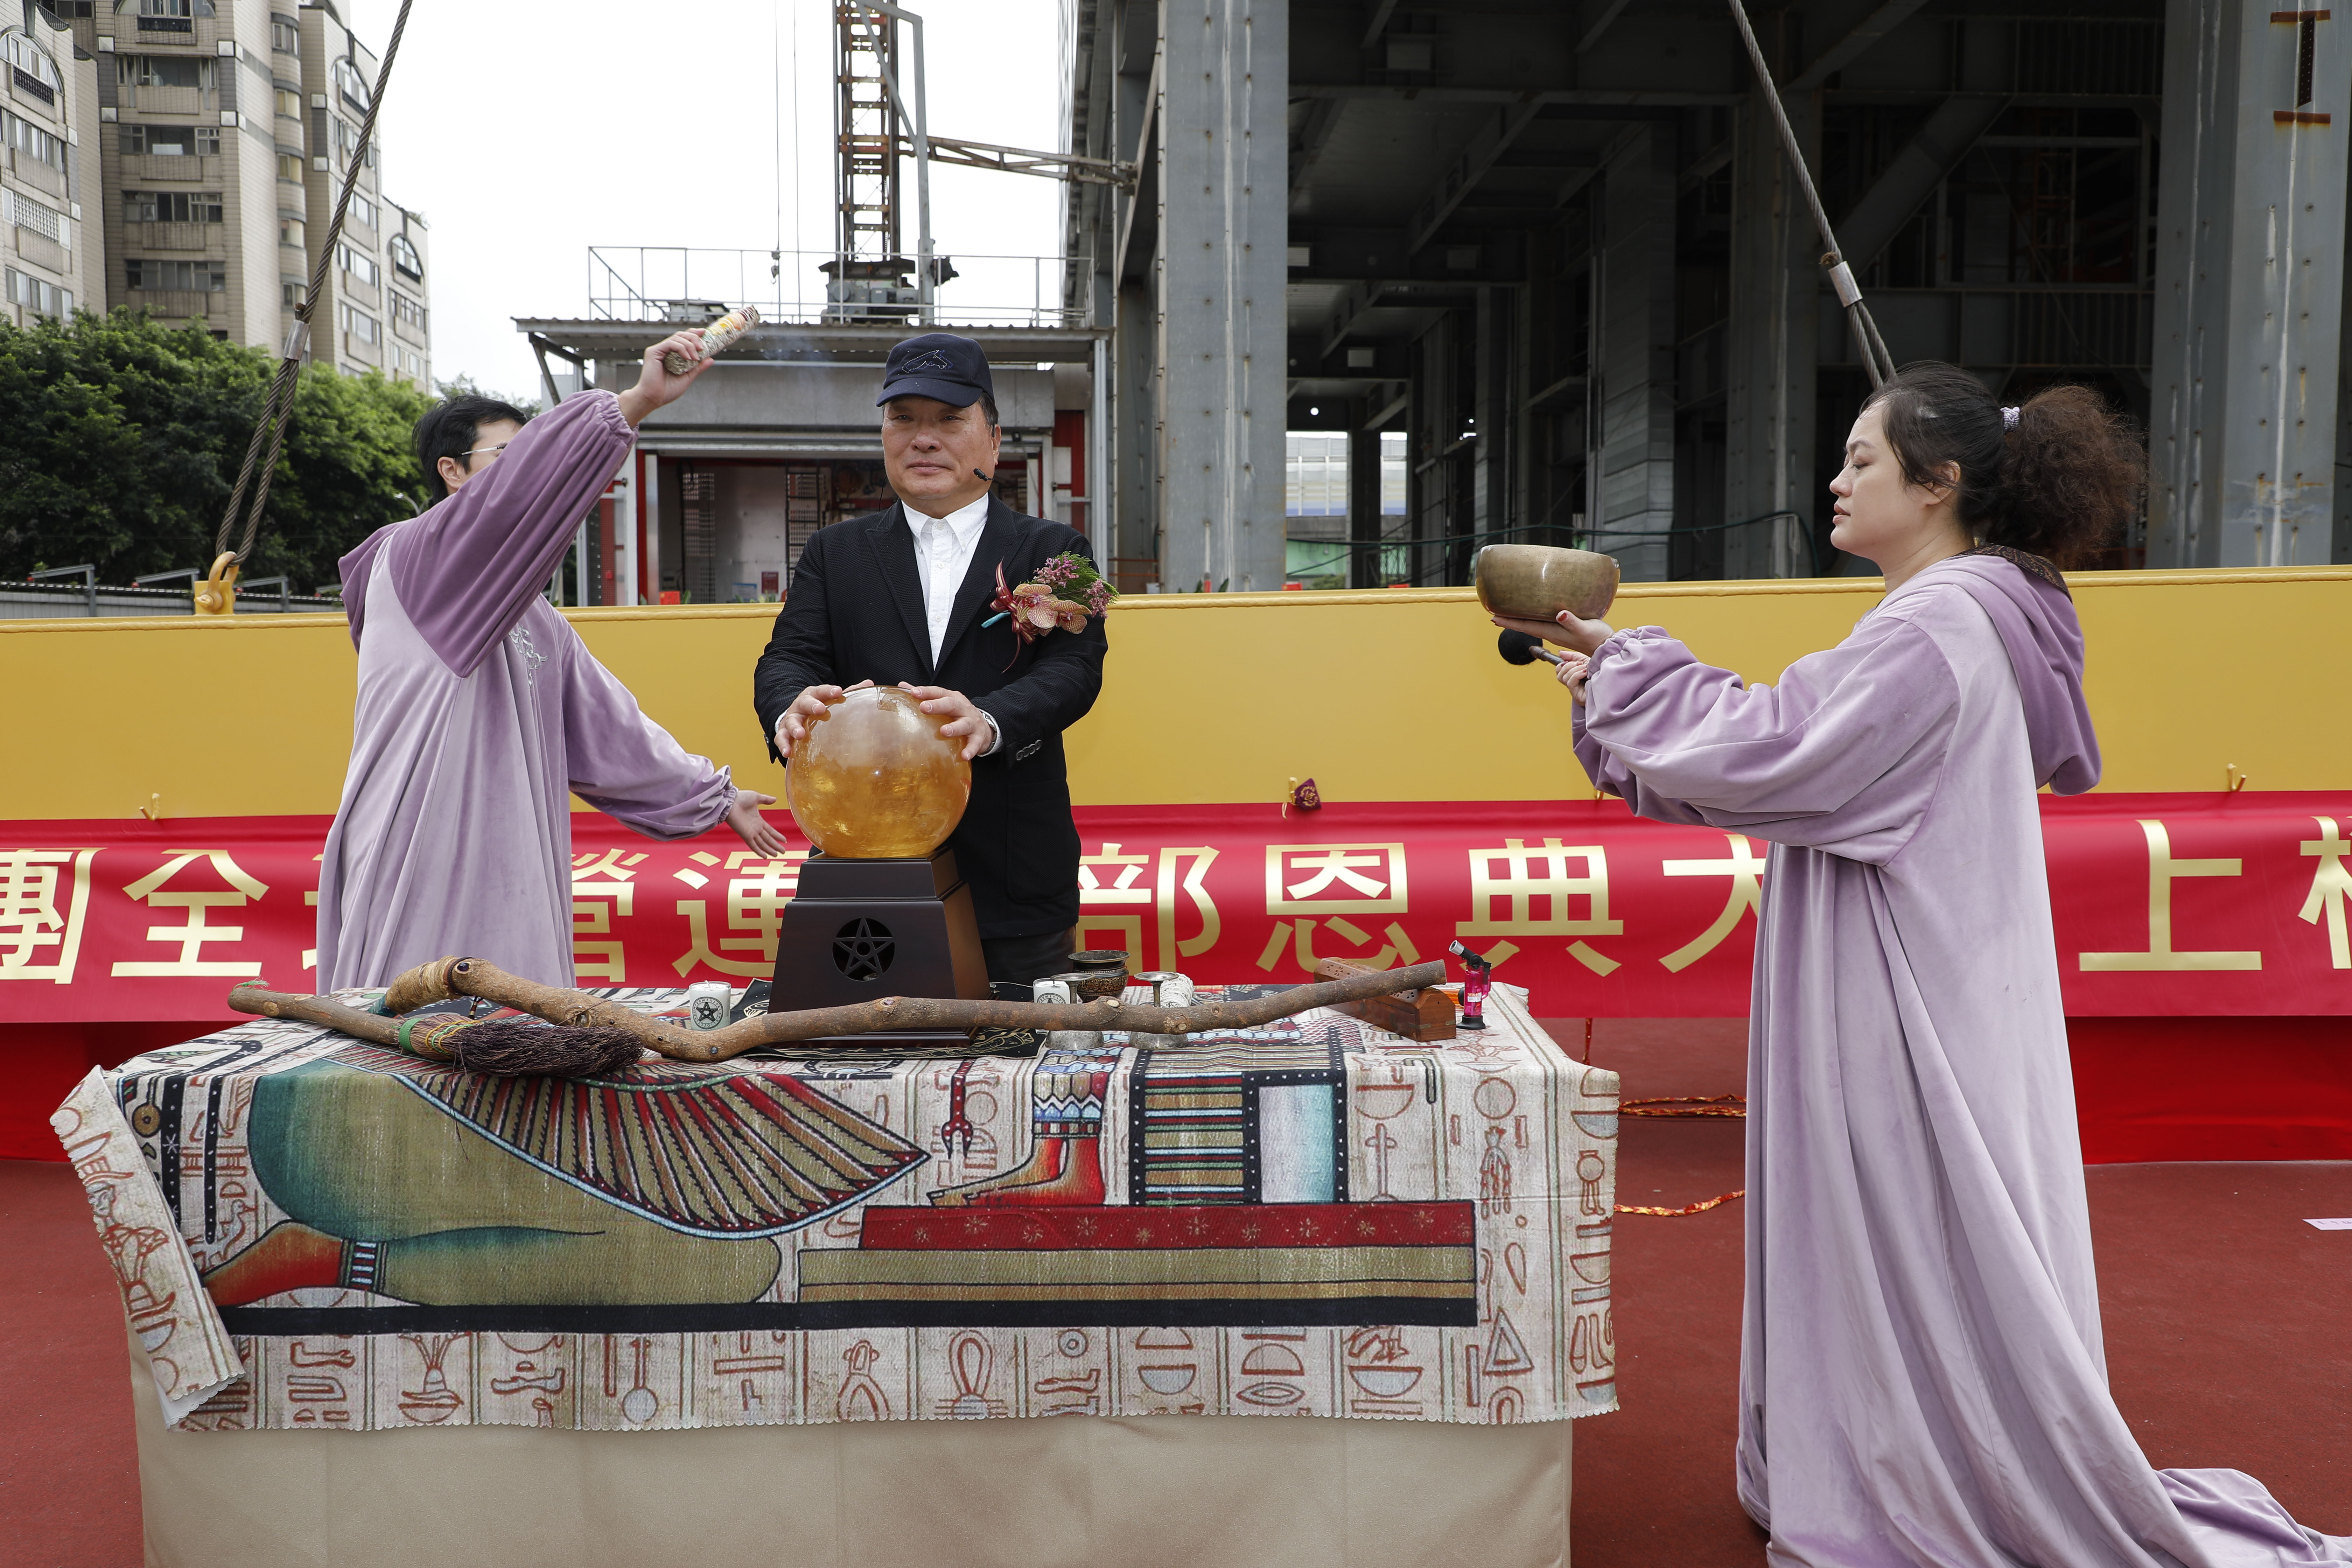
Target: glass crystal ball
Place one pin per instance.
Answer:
(875, 780)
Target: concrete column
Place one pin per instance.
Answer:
(1364, 518)
(1223, 154)
(644, 538)
(2249, 283)
(1491, 488)
(1771, 345)
(1636, 350)
(621, 549)
(1135, 430)
(2342, 556)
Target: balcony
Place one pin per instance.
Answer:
(177, 236)
(203, 32)
(173, 100)
(169, 166)
(409, 331)
(357, 292)
(180, 304)
(31, 171)
(34, 93)
(366, 353)
(43, 251)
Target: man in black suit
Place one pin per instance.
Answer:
(897, 597)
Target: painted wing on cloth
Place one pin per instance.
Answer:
(718, 1150)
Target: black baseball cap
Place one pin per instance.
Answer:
(938, 365)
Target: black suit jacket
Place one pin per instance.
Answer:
(855, 613)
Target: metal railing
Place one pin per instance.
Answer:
(1603, 541)
(54, 592)
(690, 285)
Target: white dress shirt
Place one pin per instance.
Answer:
(943, 551)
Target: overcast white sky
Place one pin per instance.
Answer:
(527, 133)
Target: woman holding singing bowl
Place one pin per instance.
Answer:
(1922, 1380)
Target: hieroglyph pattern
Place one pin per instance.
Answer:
(1496, 1143)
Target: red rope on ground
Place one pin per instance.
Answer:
(1686, 1105)
(1699, 1208)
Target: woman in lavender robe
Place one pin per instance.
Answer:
(1921, 1379)
(480, 714)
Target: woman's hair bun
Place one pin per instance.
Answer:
(2059, 477)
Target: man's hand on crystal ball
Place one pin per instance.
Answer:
(969, 724)
(791, 724)
(752, 828)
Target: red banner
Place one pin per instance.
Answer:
(2165, 904)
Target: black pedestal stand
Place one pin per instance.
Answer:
(858, 930)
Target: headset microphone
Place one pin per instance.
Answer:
(980, 477)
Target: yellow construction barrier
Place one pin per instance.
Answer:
(2198, 682)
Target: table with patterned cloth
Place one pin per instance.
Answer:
(1315, 1218)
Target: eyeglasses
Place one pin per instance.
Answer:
(493, 451)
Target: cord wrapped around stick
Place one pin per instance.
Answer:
(502, 1048)
(584, 1024)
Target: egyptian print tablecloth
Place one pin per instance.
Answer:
(1312, 1218)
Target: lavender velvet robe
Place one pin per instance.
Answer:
(479, 714)
(1922, 1377)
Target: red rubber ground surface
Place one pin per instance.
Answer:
(2228, 1326)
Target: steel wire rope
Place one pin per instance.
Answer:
(1875, 357)
(278, 408)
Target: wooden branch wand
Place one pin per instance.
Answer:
(578, 1014)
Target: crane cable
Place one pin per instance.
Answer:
(1875, 357)
(270, 429)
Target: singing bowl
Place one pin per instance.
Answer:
(1093, 985)
(875, 780)
(1536, 582)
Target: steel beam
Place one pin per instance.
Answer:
(2249, 287)
(1771, 343)
(1635, 352)
(1138, 230)
(1912, 177)
(1490, 143)
(1222, 236)
(987, 155)
(1601, 24)
(1322, 121)
(1364, 518)
(1849, 48)
(1591, 98)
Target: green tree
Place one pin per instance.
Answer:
(121, 438)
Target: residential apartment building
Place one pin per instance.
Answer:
(51, 254)
(225, 127)
(371, 312)
(407, 252)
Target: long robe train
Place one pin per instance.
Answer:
(1922, 1375)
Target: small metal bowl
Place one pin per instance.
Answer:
(1092, 984)
(1536, 582)
(1099, 958)
(1169, 988)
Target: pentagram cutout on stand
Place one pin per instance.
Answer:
(863, 949)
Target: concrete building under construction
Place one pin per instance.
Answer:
(1349, 287)
(1544, 264)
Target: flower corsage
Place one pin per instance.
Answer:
(1064, 592)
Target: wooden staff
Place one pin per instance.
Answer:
(447, 977)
